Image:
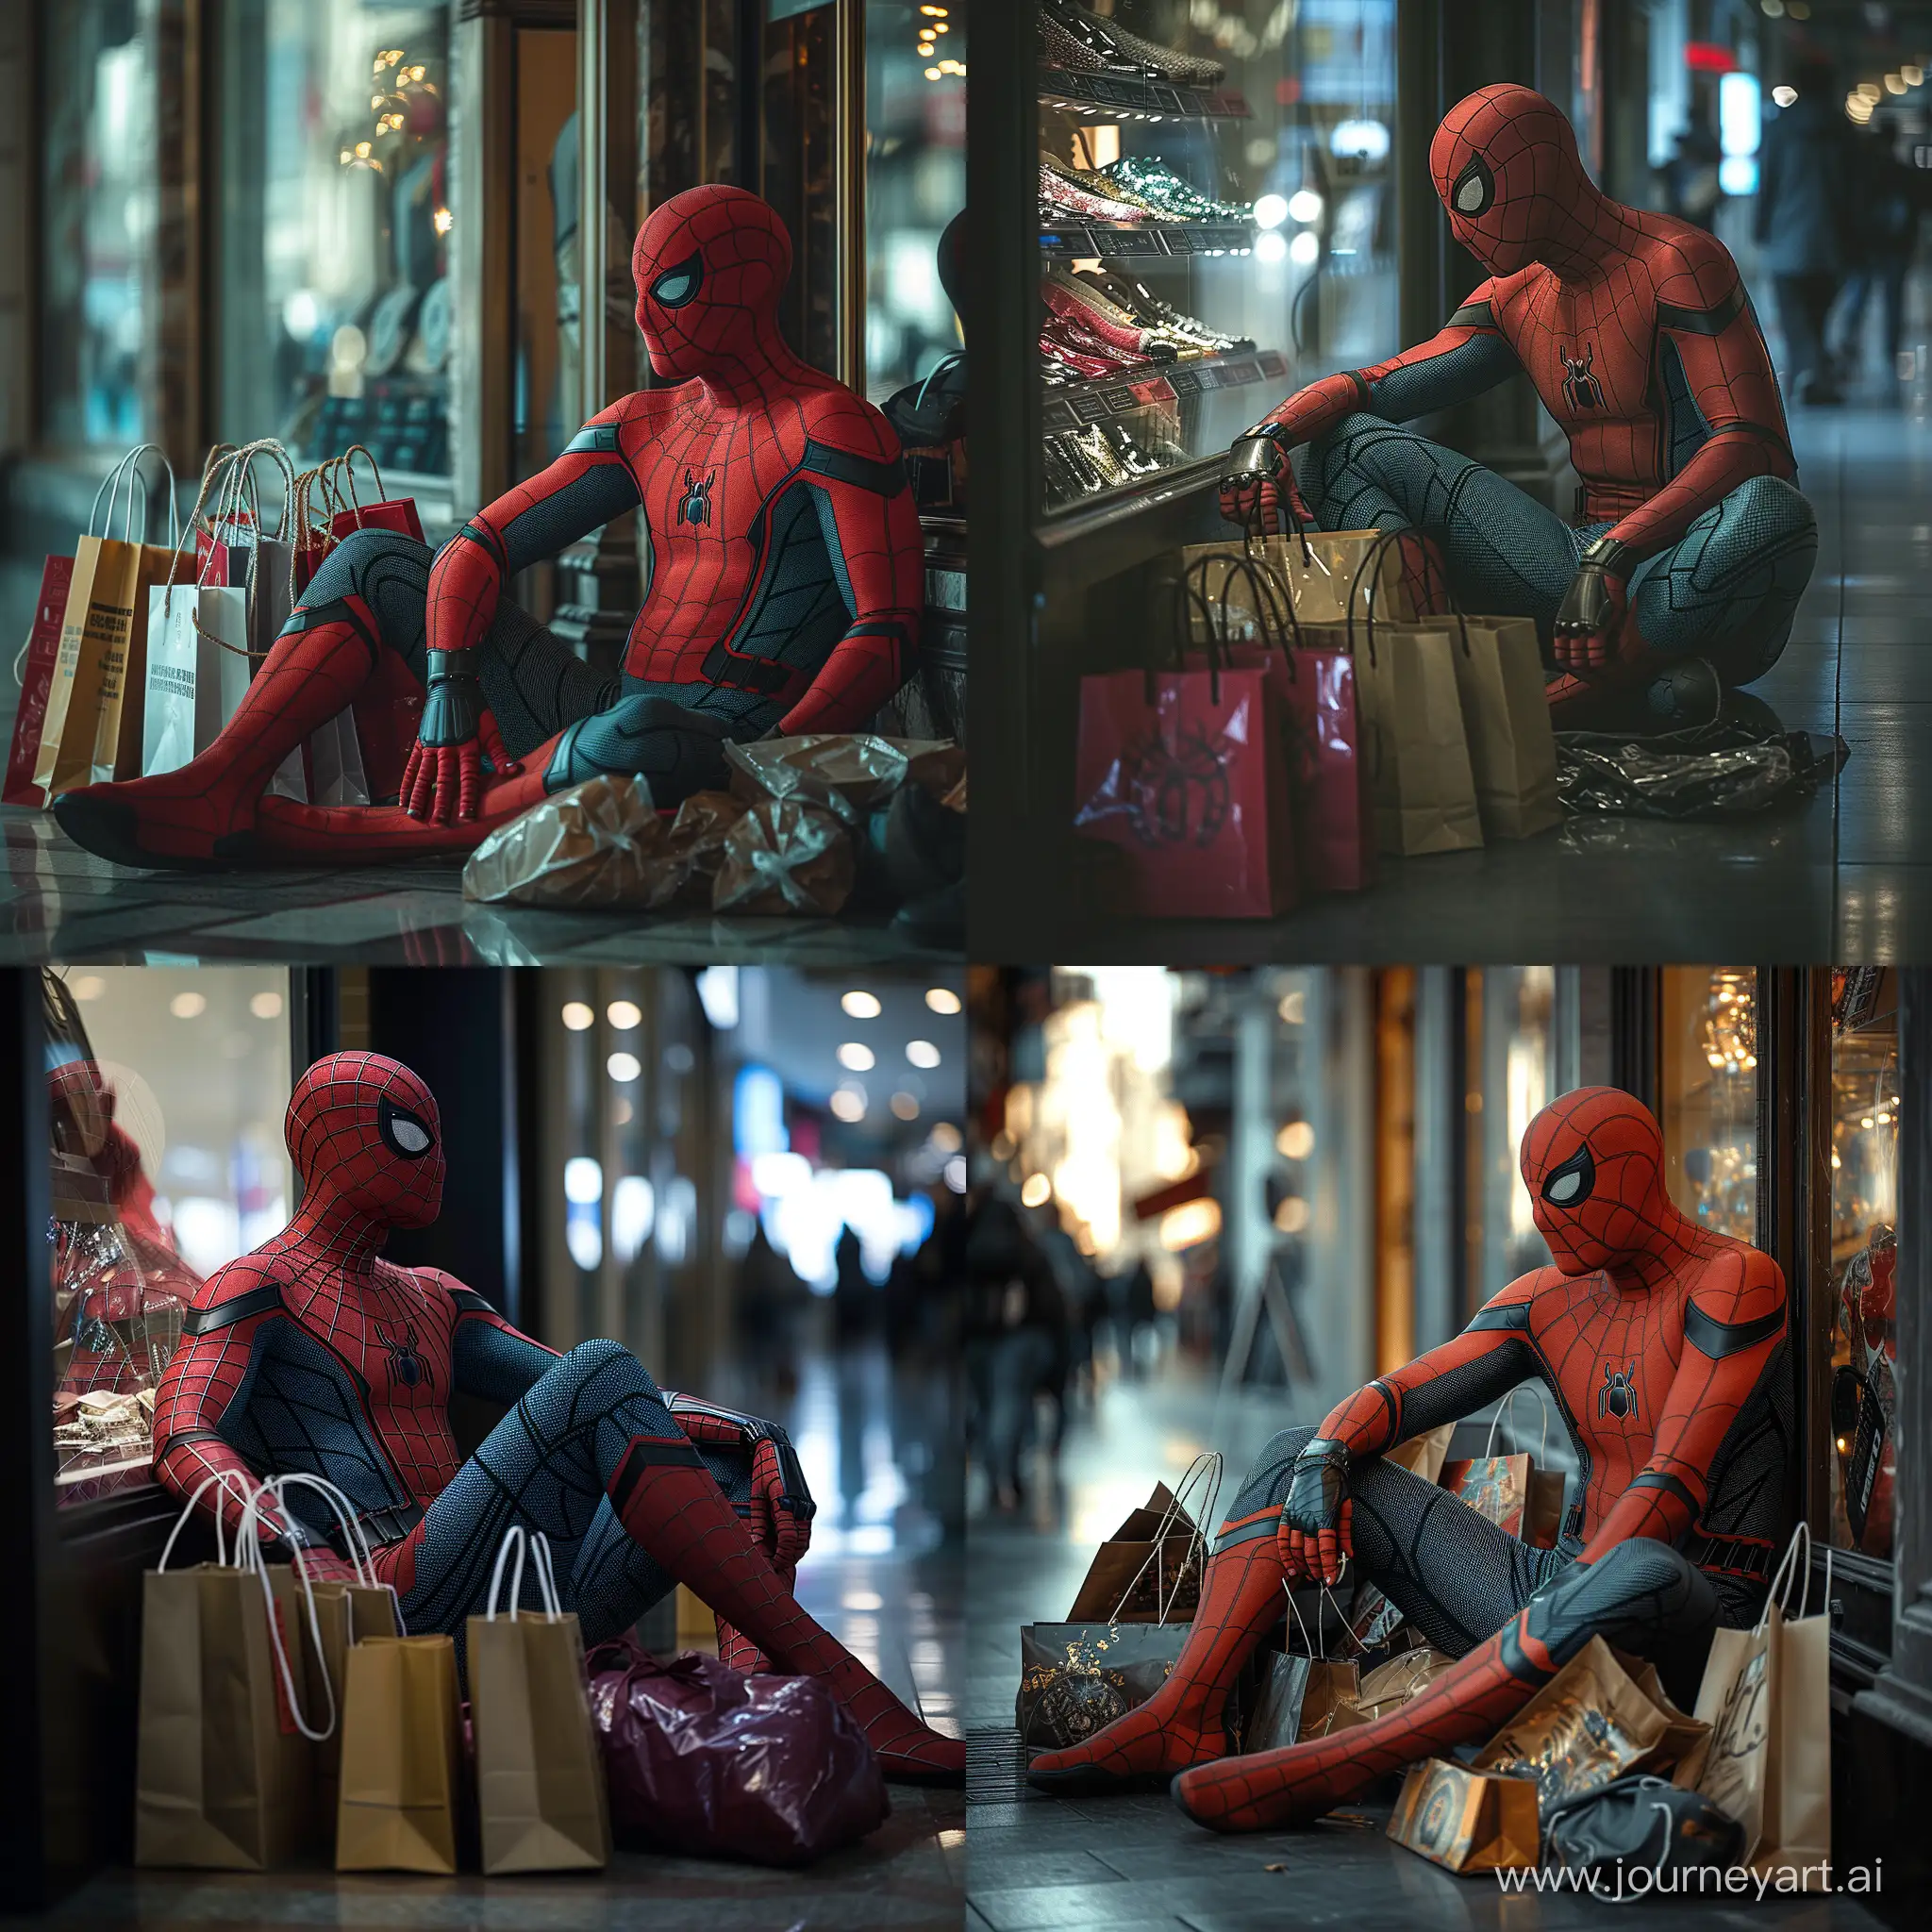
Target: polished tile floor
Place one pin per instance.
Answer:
(1845, 876)
(884, 1575)
(1135, 1863)
(58, 902)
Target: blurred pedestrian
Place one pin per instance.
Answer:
(1889, 197)
(1803, 224)
(1694, 188)
(854, 1301)
(1016, 1327)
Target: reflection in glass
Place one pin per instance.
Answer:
(1711, 1095)
(165, 1096)
(98, 216)
(332, 244)
(1864, 1255)
(1512, 1060)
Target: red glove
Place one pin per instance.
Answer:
(443, 780)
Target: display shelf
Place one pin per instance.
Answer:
(1080, 240)
(1081, 403)
(1128, 95)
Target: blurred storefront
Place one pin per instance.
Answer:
(1318, 1169)
(338, 222)
(746, 1176)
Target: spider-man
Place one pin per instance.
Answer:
(1635, 328)
(1682, 1498)
(784, 584)
(314, 1354)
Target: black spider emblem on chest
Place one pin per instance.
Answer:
(1618, 1396)
(1581, 389)
(407, 1368)
(695, 504)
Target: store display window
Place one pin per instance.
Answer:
(332, 237)
(1510, 1058)
(1864, 1257)
(1710, 1081)
(98, 216)
(1217, 223)
(166, 1089)
(915, 184)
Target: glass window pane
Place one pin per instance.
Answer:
(98, 213)
(1511, 1062)
(332, 235)
(915, 183)
(167, 1090)
(1711, 1095)
(1249, 241)
(1864, 1252)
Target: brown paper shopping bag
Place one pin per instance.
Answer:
(1592, 1723)
(1149, 1569)
(1423, 1455)
(1506, 720)
(1324, 571)
(400, 1753)
(1464, 1820)
(224, 1752)
(540, 1771)
(1766, 1696)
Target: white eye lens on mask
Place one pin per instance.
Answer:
(1564, 1190)
(410, 1138)
(402, 1131)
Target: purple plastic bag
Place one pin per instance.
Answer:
(707, 1762)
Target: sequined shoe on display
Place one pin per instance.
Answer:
(1184, 69)
(1159, 185)
(1098, 41)
(1151, 313)
(1062, 191)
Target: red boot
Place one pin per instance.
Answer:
(1297, 1784)
(291, 834)
(1181, 1724)
(671, 1508)
(202, 818)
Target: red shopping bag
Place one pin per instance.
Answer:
(34, 671)
(1183, 770)
(1329, 800)
(386, 513)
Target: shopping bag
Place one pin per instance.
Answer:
(1592, 1723)
(401, 1754)
(1466, 1821)
(1498, 1486)
(539, 1778)
(1149, 1569)
(1330, 808)
(224, 1753)
(1076, 1678)
(1506, 720)
(1182, 770)
(1423, 1455)
(1767, 1698)
(1327, 574)
(1281, 1691)
(1403, 1678)
(1543, 1515)
(33, 672)
(384, 514)
(103, 593)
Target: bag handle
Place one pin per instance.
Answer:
(546, 1576)
(1502, 1407)
(1273, 604)
(1792, 1572)
(1205, 1470)
(259, 1563)
(352, 1537)
(1189, 597)
(346, 465)
(1252, 531)
(220, 1479)
(138, 483)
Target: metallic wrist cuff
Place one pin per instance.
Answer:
(1325, 1449)
(452, 664)
(1609, 554)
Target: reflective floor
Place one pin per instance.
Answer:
(1135, 1863)
(58, 902)
(1845, 876)
(885, 1574)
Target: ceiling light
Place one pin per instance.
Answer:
(921, 1053)
(1295, 1141)
(624, 1067)
(623, 1015)
(906, 1107)
(187, 1006)
(860, 1005)
(266, 1005)
(578, 1017)
(89, 986)
(1035, 1191)
(856, 1058)
(943, 999)
(848, 1102)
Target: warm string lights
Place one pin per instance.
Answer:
(1730, 1028)
(935, 21)
(397, 80)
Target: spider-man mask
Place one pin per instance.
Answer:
(1593, 1162)
(365, 1130)
(1505, 167)
(708, 266)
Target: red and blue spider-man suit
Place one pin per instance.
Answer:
(784, 582)
(314, 1354)
(1638, 334)
(1663, 1345)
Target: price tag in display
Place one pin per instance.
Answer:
(1092, 407)
(1058, 414)
(1274, 363)
(1186, 382)
(1237, 373)
(1115, 240)
(1120, 399)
